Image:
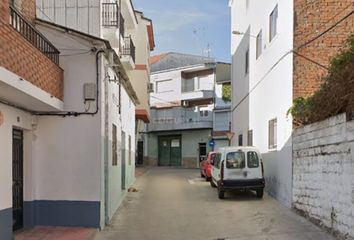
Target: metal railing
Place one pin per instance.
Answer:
(32, 35)
(129, 48)
(110, 13)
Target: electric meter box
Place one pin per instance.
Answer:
(90, 92)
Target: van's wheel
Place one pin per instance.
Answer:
(221, 194)
(212, 184)
(259, 193)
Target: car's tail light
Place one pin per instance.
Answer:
(222, 173)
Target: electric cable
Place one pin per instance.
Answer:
(293, 51)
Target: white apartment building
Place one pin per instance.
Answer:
(262, 82)
(182, 108)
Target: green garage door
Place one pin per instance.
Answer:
(170, 151)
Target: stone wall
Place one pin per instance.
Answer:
(323, 173)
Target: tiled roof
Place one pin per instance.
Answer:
(173, 60)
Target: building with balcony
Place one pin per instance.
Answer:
(31, 80)
(182, 108)
(131, 36)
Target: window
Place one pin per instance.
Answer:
(273, 19)
(204, 113)
(130, 150)
(259, 44)
(250, 138)
(247, 4)
(240, 140)
(217, 160)
(188, 85)
(114, 146)
(252, 160)
(164, 86)
(247, 59)
(272, 135)
(235, 160)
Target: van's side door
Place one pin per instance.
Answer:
(216, 167)
(254, 169)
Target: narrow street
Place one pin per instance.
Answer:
(178, 204)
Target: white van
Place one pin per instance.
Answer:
(238, 168)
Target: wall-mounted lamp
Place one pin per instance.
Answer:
(242, 33)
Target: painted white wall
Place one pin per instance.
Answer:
(11, 116)
(171, 82)
(266, 91)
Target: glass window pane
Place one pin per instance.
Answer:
(252, 160)
(235, 160)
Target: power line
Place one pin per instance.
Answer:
(350, 4)
(294, 51)
(310, 60)
(326, 31)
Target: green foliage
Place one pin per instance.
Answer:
(226, 92)
(336, 94)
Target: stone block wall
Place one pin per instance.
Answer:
(323, 173)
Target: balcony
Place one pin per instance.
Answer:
(173, 124)
(128, 54)
(33, 36)
(198, 95)
(113, 24)
(179, 119)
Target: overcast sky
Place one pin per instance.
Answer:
(190, 26)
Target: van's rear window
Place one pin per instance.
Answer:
(252, 160)
(235, 160)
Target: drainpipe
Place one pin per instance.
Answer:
(105, 154)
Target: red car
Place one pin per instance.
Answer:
(206, 166)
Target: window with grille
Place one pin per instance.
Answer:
(114, 146)
(250, 138)
(273, 19)
(247, 62)
(272, 136)
(240, 140)
(188, 85)
(259, 44)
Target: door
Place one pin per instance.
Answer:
(235, 165)
(140, 159)
(170, 151)
(123, 160)
(17, 179)
(202, 151)
(175, 159)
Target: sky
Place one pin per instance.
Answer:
(190, 26)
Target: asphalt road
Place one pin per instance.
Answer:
(177, 204)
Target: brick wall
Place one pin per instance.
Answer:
(311, 18)
(323, 173)
(22, 58)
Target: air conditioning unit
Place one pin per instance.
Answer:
(150, 87)
(185, 103)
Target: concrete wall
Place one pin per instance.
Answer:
(323, 155)
(256, 96)
(189, 143)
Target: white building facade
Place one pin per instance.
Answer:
(182, 109)
(262, 83)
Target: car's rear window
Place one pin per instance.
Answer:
(235, 160)
(252, 160)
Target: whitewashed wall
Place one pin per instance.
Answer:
(266, 91)
(323, 179)
(172, 90)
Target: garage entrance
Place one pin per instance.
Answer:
(170, 151)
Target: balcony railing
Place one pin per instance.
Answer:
(129, 48)
(32, 35)
(110, 13)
